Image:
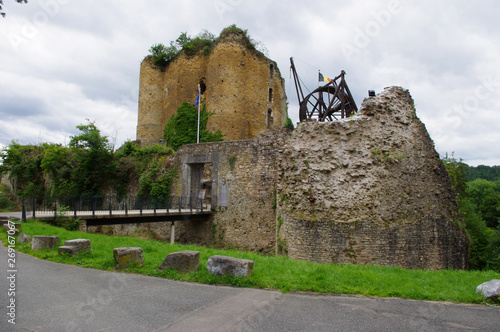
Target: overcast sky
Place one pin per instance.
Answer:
(65, 61)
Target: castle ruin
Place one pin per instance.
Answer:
(241, 88)
(367, 189)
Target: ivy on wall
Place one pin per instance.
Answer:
(182, 127)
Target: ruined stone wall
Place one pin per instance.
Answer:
(242, 88)
(369, 189)
(244, 183)
(198, 232)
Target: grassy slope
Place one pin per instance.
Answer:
(270, 272)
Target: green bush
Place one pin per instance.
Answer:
(69, 224)
(201, 44)
(162, 55)
(5, 203)
(289, 123)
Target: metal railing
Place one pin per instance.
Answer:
(65, 206)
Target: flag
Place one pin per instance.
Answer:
(323, 78)
(197, 99)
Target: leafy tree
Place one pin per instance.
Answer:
(479, 235)
(494, 256)
(182, 127)
(456, 170)
(479, 203)
(93, 158)
(90, 138)
(490, 173)
(289, 123)
(1, 6)
(5, 203)
(57, 162)
(22, 164)
(486, 196)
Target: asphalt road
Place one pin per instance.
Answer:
(55, 297)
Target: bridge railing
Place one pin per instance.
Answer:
(108, 205)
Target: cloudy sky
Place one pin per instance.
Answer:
(65, 61)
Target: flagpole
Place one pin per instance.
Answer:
(198, 133)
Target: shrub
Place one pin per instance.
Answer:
(5, 203)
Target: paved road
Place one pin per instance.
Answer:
(55, 297)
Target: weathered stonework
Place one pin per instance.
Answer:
(185, 261)
(243, 187)
(128, 256)
(76, 246)
(370, 189)
(242, 88)
(236, 267)
(185, 231)
(24, 238)
(41, 242)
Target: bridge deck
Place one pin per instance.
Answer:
(98, 218)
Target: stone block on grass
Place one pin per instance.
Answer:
(40, 242)
(489, 289)
(223, 265)
(8, 226)
(23, 238)
(185, 261)
(128, 256)
(75, 246)
(11, 231)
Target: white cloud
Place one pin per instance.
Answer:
(75, 60)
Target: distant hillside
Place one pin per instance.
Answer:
(490, 173)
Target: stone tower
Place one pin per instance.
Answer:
(240, 86)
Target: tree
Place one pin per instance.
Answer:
(182, 127)
(22, 163)
(486, 196)
(90, 138)
(93, 160)
(57, 163)
(479, 235)
(479, 203)
(490, 173)
(457, 171)
(1, 6)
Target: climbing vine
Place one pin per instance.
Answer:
(182, 128)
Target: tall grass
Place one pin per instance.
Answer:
(279, 273)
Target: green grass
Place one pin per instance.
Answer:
(279, 273)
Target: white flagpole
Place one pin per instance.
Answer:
(199, 102)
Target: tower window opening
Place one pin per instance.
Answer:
(270, 94)
(203, 86)
(269, 119)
